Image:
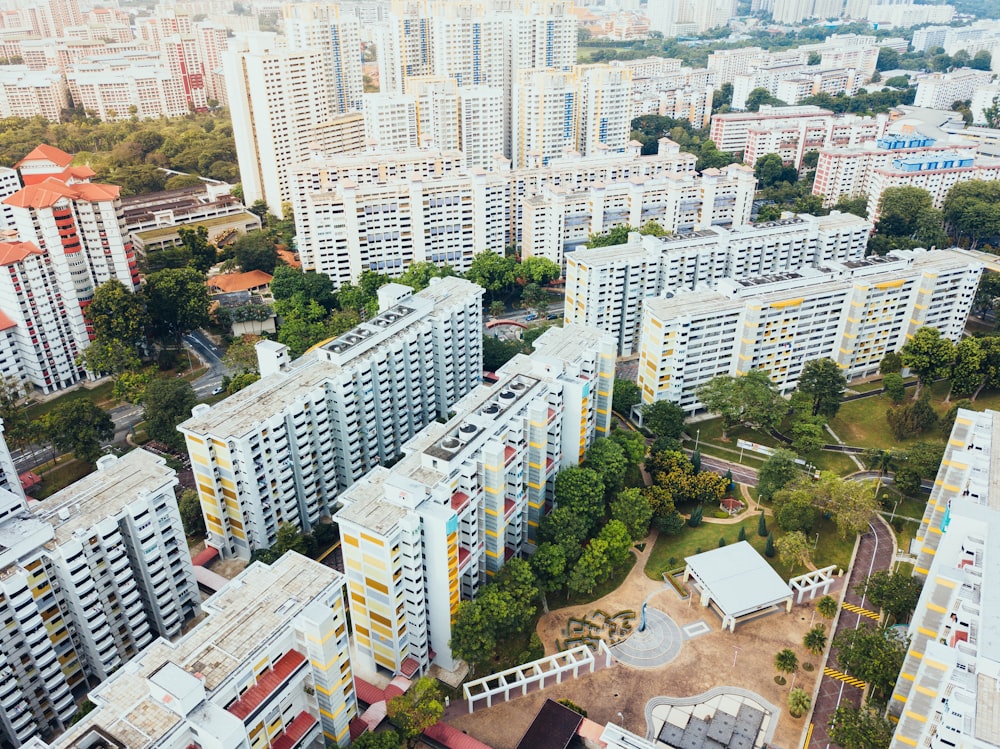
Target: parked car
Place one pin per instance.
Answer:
(218, 389)
(553, 316)
(531, 317)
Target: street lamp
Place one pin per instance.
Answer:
(892, 515)
(697, 439)
(816, 542)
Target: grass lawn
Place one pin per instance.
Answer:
(60, 476)
(99, 394)
(830, 549)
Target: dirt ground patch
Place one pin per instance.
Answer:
(744, 659)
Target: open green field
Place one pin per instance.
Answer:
(830, 548)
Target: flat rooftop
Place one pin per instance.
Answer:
(115, 483)
(241, 618)
(366, 505)
(739, 579)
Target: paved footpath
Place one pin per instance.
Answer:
(876, 551)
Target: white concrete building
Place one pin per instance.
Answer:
(854, 313)
(421, 536)
(391, 122)
(119, 86)
(607, 287)
(70, 238)
(941, 90)
(86, 583)
(278, 104)
(904, 15)
(560, 219)
(338, 38)
(605, 101)
(268, 666)
(358, 213)
(792, 140)
(281, 450)
(730, 130)
(32, 93)
(946, 694)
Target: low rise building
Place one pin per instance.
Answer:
(729, 130)
(607, 287)
(281, 450)
(792, 140)
(468, 495)
(854, 313)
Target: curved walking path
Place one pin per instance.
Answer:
(875, 551)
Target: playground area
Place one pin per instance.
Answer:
(691, 655)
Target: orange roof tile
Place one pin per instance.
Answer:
(229, 282)
(15, 252)
(47, 153)
(47, 193)
(288, 258)
(5, 322)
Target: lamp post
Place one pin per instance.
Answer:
(697, 439)
(892, 515)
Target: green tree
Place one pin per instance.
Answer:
(769, 551)
(418, 274)
(78, 426)
(497, 308)
(808, 436)
(582, 491)
(695, 519)
(888, 59)
(869, 655)
(493, 272)
(824, 381)
(815, 640)
(785, 661)
(894, 592)
(632, 508)
(539, 270)
(912, 418)
(891, 362)
(380, 740)
(201, 251)
(241, 354)
(664, 419)
(860, 728)
(240, 381)
(858, 206)
(968, 370)
(315, 287)
(566, 528)
(793, 549)
(777, 472)
(970, 212)
(255, 251)
(799, 702)
(607, 458)
(760, 97)
(982, 60)
(573, 706)
(177, 300)
(794, 507)
(633, 443)
(18, 429)
(549, 565)
(827, 607)
(611, 238)
(751, 400)
(625, 395)
(928, 355)
(907, 218)
(534, 298)
(166, 403)
(191, 515)
(894, 387)
(496, 352)
(762, 525)
(119, 320)
(591, 569)
(417, 709)
(617, 541)
(472, 637)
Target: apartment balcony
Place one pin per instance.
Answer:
(295, 733)
(267, 685)
(459, 501)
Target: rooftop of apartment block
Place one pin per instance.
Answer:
(259, 602)
(239, 413)
(115, 483)
(365, 503)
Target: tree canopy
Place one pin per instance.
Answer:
(167, 402)
(78, 426)
(750, 399)
(823, 380)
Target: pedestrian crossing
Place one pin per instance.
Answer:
(858, 610)
(835, 674)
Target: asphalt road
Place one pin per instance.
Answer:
(128, 415)
(741, 473)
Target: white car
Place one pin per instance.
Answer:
(218, 389)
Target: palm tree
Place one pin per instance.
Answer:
(882, 461)
(798, 702)
(827, 607)
(815, 639)
(786, 662)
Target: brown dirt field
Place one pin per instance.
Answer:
(703, 663)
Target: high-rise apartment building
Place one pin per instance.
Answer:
(607, 287)
(278, 103)
(730, 129)
(546, 113)
(419, 537)
(85, 584)
(282, 449)
(32, 93)
(948, 686)
(70, 238)
(337, 36)
(391, 122)
(147, 85)
(941, 90)
(269, 666)
(793, 140)
(854, 313)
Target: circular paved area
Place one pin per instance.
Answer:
(658, 644)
